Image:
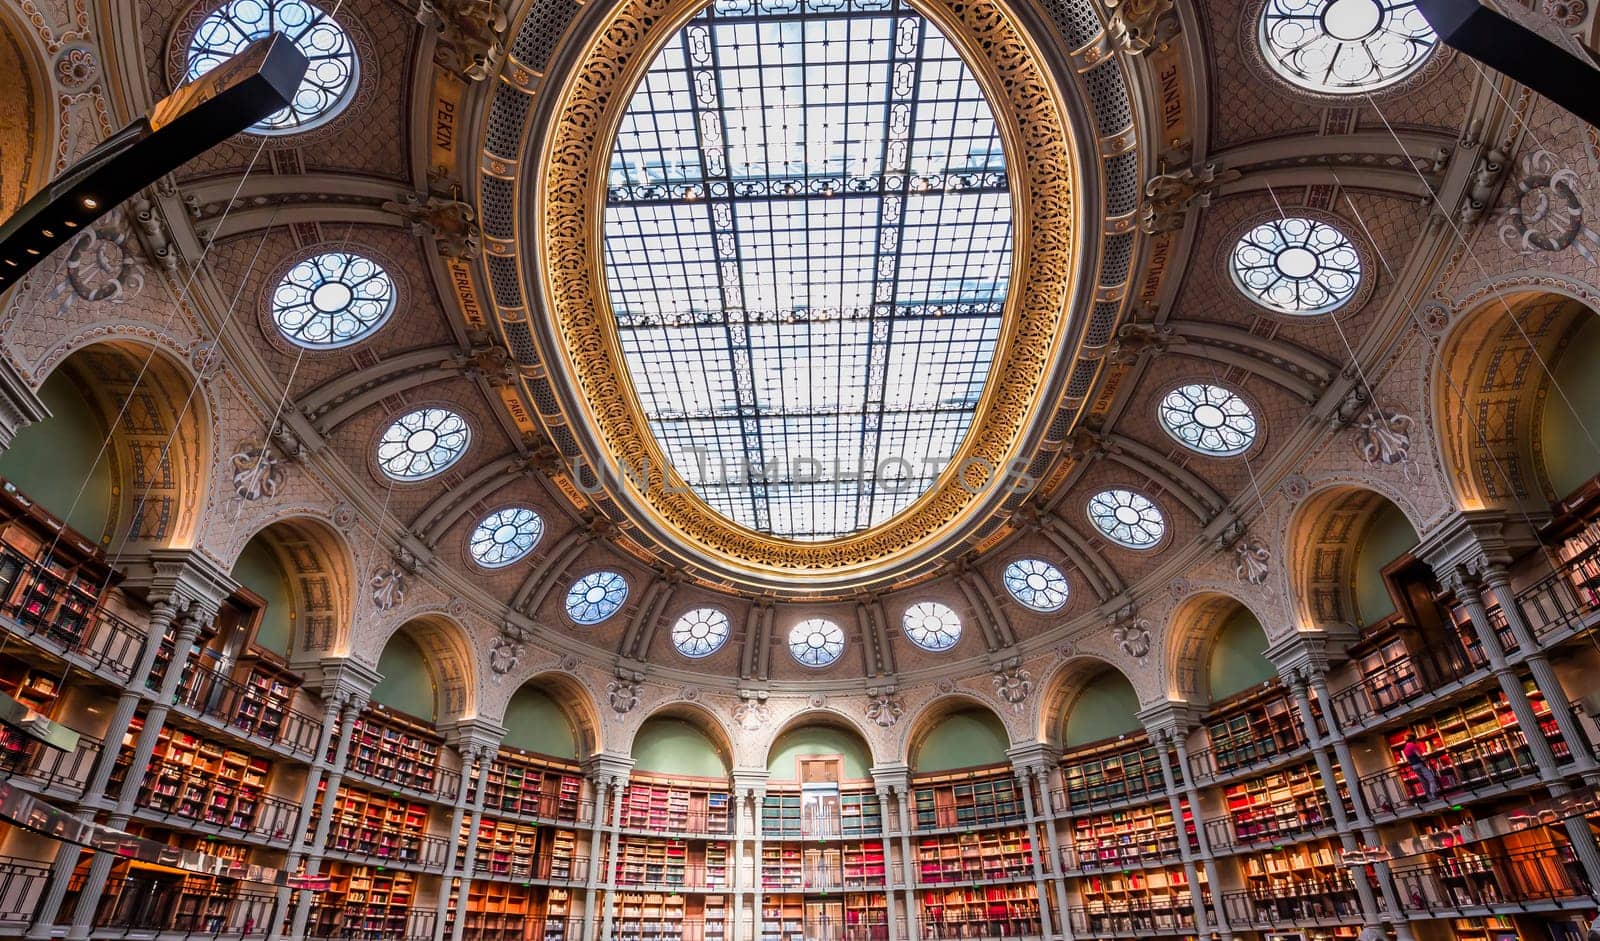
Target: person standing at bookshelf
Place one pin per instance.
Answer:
(1418, 761)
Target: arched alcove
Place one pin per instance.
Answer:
(428, 670)
(1340, 541)
(536, 723)
(407, 683)
(258, 569)
(60, 464)
(1215, 648)
(964, 735)
(1238, 655)
(817, 737)
(1569, 427)
(303, 569)
(26, 116)
(679, 743)
(1104, 707)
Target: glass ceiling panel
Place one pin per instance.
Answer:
(808, 245)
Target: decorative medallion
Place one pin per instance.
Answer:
(1133, 637)
(1384, 437)
(623, 692)
(752, 713)
(884, 708)
(256, 473)
(507, 650)
(388, 586)
(1013, 684)
(1250, 560)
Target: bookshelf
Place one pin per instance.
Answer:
(394, 749)
(1283, 804)
(1130, 837)
(498, 911)
(384, 827)
(1140, 901)
(981, 911)
(525, 785)
(657, 916)
(966, 800)
(269, 688)
(51, 576)
(662, 806)
(1112, 771)
(1304, 882)
(197, 778)
(853, 916)
(519, 851)
(1476, 741)
(364, 902)
(972, 857)
(855, 816)
(1264, 724)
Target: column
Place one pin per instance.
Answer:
(188, 627)
(907, 866)
(1163, 742)
(1577, 827)
(1369, 906)
(1208, 860)
(884, 810)
(758, 914)
(308, 799)
(1022, 777)
(483, 754)
(353, 706)
(458, 813)
(1498, 581)
(610, 904)
(162, 614)
(596, 834)
(1358, 801)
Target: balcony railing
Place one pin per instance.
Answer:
(147, 906)
(56, 770)
(1399, 683)
(1472, 880)
(370, 923)
(1279, 820)
(21, 886)
(955, 929)
(527, 868)
(1133, 919)
(98, 641)
(1282, 906)
(207, 693)
(1562, 600)
(1488, 765)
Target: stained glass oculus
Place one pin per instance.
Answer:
(422, 443)
(700, 633)
(331, 74)
(932, 626)
(808, 240)
(332, 300)
(505, 536)
(1208, 418)
(1127, 518)
(1297, 266)
(596, 596)
(1036, 583)
(816, 642)
(1345, 46)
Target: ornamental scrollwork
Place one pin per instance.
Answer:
(1547, 213)
(1251, 561)
(1133, 637)
(257, 473)
(507, 650)
(102, 267)
(1137, 26)
(1384, 437)
(388, 585)
(884, 708)
(623, 692)
(752, 713)
(1013, 683)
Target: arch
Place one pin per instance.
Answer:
(320, 570)
(160, 449)
(827, 732)
(572, 697)
(1490, 389)
(447, 652)
(1068, 688)
(672, 725)
(988, 742)
(1324, 542)
(1191, 642)
(27, 113)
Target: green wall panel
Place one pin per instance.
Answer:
(49, 461)
(1238, 658)
(1107, 707)
(406, 685)
(672, 746)
(964, 739)
(534, 722)
(1389, 535)
(1570, 457)
(258, 570)
(818, 740)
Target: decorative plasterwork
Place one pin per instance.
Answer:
(566, 263)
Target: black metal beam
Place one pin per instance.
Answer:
(1519, 52)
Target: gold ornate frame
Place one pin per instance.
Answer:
(1042, 322)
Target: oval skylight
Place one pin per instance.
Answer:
(700, 633)
(816, 642)
(505, 536)
(1345, 47)
(1127, 518)
(808, 241)
(1208, 418)
(1036, 583)
(422, 443)
(332, 300)
(596, 596)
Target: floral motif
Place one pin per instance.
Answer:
(752, 713)
(623, 692)
(1568, 13)
(1384, 437)
(507, 650)
(257, 473)
(1013, 684)
(1133, 637)
(75, 67)
(1250, 560)
(884, 708)
(388, 587)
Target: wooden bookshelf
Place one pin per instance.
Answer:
(381, 826)
(1118, 769)
(201, 779)
(664, 806)
(519, 851)
(1476, 741)
(1130, 837)
(1286, 803)
(966, 799)
(51, 576)
(1304, 882)
(1260, 725)
(1140, 901)
(364, 902)
(395, 749)
(981, 911)
(853, 916)
(523, 785)
(269, 688)
(498, 911)
(972, 857)
(852, 815)
(657, 916)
